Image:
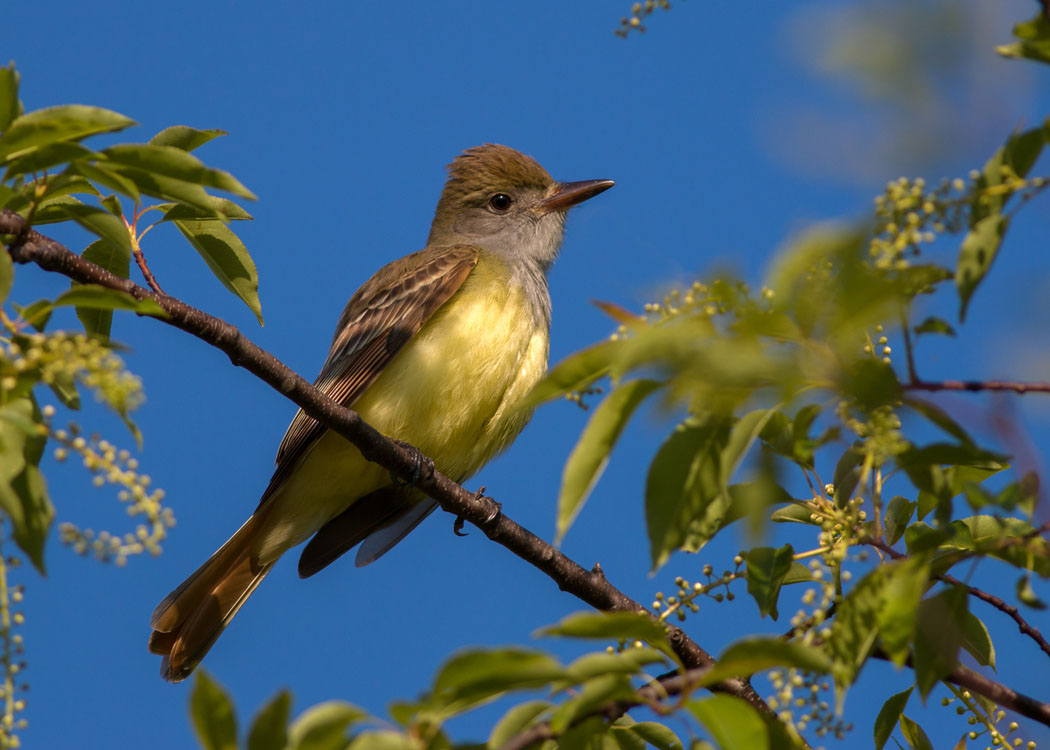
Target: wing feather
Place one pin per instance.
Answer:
(381, 317)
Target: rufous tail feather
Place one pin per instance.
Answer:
(190, 619)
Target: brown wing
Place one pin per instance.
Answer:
(381, 317)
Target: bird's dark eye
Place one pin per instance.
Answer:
(500, 202)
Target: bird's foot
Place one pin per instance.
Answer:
(422, 466)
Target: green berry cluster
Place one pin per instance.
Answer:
(639, 11)
(110, 465)
(12, 663)
(989, 716)
(684, 599)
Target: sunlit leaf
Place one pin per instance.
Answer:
(479, 675)
(594, 693)
(914, 735)
(117, 260)
(574, 373)
(269, 730)
(23, 491)
(212, 713)
(175, 163)
(978, 641)
(934, 324)
(7, 272)
(10, 108)
(733, 723)
(657, 735)
(630, 626)
(70, 122)
(323, 727)
(100, 222)
(227, 258)
(1034, 41)
(591, 452)
(46, 157)
(515, 721)
(903, 584)
(186, 138)
(93, 296)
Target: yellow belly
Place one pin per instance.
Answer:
(451, 392)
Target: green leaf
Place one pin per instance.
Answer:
(227, 257)
(110, 178)
(269, 730)
(939, 634)
(939, 417)
(898, 516)
(7, 271)
(741, 437)
(100, 222)
(630, 626)
(478, 675)
(37, 314)
(64, 386)
(95, 297)
(574, 373)
(591, 453)
(977, 641)
(657, 735)
(515, 721)
(794, 513)
(23, 491)
(846, 476)
(590, 734)
(914, 735)
(751, 655)
(46, 157)
(117, 261)
(979, 248)
(629, 661)
(903, 584)
(766, 570)
(10, 108)
(889, 715)
(855, 628)
(732, 722)
(683, 492)
(176, 164)
(323, 727)
(212, 714)
(1035, 40)
(186, 138)
(224, 208)
(382, 739)
(70, 122)
(934, 324)
(594, 693)
(1026, 594)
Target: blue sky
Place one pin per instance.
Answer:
(726, 130)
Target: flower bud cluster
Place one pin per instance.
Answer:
(981, 711)
(12, 661)
(117, 467)
(639, 11)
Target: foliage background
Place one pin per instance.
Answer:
(726, 129)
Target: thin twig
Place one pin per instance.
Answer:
(976, 385)
(403, 460)
(1003, 607)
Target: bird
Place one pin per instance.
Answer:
(437, 350)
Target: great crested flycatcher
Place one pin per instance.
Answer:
(437, 349)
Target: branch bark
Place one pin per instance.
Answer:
(29, 246)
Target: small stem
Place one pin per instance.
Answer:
(977, 385)
(140, 259)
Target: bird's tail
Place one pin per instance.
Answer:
(193, 616)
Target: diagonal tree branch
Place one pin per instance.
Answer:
(29, 246)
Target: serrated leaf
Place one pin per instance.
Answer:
(683, 492)
(914, 735)
(212, 714)
(934, 324)
(733, 723)
(228, 259)
(176, 164)
(98, 297)
(10, 108)
(323, 727)
(978, 641)
(591, 452)
(889, 715)
(99, 322)
(898, 516)
(515, 721)
(574, 373)
(186, 138)
(766, 569)
(70, 122)
(269, 730)
(630, 626)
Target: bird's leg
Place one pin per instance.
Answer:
(422, 466)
